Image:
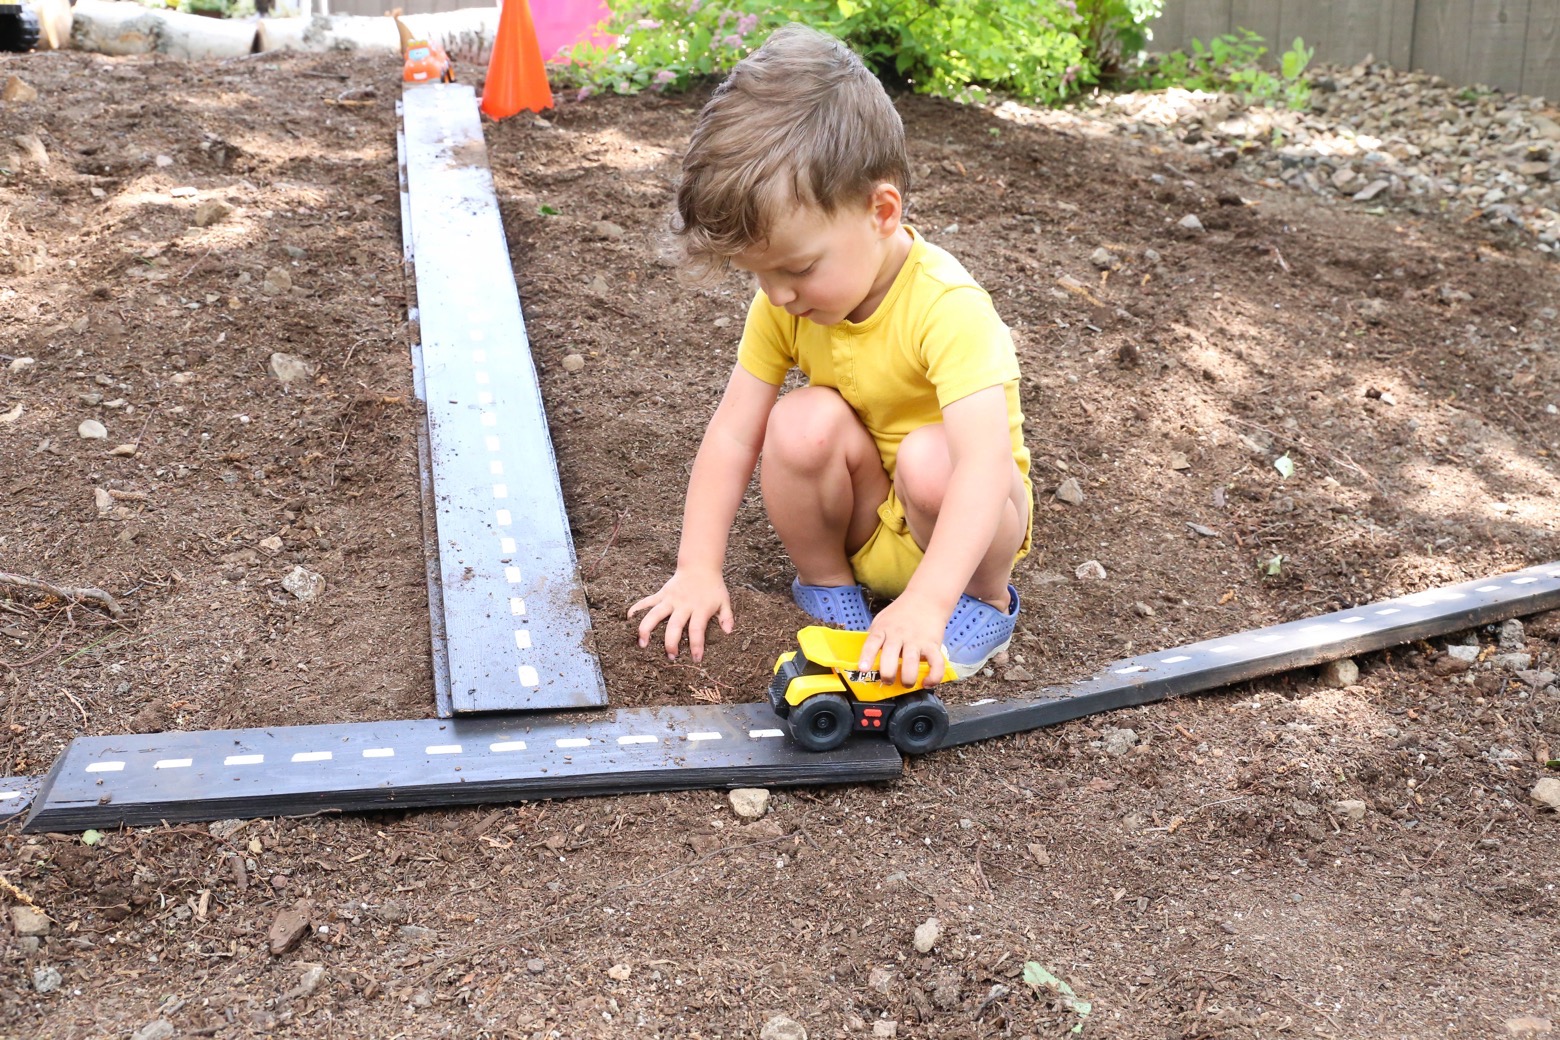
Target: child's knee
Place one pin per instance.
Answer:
(803, 425)
(922, 470)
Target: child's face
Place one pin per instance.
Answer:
(828, 268)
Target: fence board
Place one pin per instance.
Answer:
(1441, 38)
(1497, 31)
(1205, 19)
(1541, 63)
(1260, 16)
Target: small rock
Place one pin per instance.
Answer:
(1104, 259)
(18, 91)
(277, 282)
(1529, 1026)
(1117, 742)
(535, 965)
(573, 362)
(1201, 531)
(212, 211)
(162, 162)
(1373, 310)
(885, 1027)
(1371, 190)
(1464, 651)
(29, 920)
(31, 149)
(620, 972)
(1512, 662)
(750, 803)
(417, 933)
(103, 500)
(313, 975)
(605, 229)
(290, 926)
(289, 368)
(304, 583)
(46, 979)
(881, 980)
(1512, 636)
(599, 286)
(122, 450)
(926, 935)
(1090, 570)
(1179, 461)
(1070, 492)
(1142, 609)
(225, 829)
(1017, 673)
(1547, 793)
(1041, 856)
(1190, 223)
(782, 1028)
(1339, 674)
(272, 544)
(1352, 808)
(295, 252)
(92, 430)
(22, 365)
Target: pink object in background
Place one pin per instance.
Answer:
(561, 24)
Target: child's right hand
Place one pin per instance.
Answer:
(689, 599)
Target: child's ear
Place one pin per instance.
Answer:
(887, 207)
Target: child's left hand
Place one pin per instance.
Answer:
(905, 633)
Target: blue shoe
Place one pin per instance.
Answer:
(843, 606)
(977, 632)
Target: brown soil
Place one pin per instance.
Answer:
(1202, 884)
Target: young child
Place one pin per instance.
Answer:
(901, 466)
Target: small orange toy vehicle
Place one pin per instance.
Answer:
(426, 63)
(823, 695)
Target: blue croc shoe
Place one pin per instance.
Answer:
(843, 606)
(977, 632)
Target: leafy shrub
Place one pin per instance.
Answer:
(1043, 50)
(1233, 63)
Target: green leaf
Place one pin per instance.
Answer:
(91, 837)
(1036, 975)
(1285, 467)
(1273, 566)
(546, 210)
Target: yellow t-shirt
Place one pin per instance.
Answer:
(934, 339)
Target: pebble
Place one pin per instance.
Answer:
(277, 282)
(13, 414)
(1463, 652)
(1338, 674)
(31, 149)
(1512, 662)
(102, 500)
(782, 1028)
(289, 368)
(1190, 222)
(573, 362)
(92, 430)
(1117, 742)
(22, 365)
(620, 972)
(1351, 808)
(417, 933)
(750, 803)
(156, 1029)
(926, 935)
(1512, 636)
(885, 1027)
(18, 91)
(1104, 259)
(212, 211)
(1070, 492)
(1179, 461)
(605, 229)
(1090, 569)
(535, 965)
(1142, 609)
(47, 979)
(1547, 793)
(303, 583)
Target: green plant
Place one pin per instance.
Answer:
(1044, 50)
(1232, 63)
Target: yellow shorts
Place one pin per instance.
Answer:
(890, 556)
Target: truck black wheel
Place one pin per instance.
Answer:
(19, 30)
(919, 723)
(821, 722)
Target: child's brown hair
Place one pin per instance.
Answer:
(799, 121)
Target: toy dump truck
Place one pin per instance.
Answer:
(825, 698)
(18, 27)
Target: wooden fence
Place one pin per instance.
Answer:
(1510, 44)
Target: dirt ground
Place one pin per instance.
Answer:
(1285, 859)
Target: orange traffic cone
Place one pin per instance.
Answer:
(516, 77)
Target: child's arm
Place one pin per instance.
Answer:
(910, 629)
(696, 593)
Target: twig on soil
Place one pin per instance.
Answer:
(345, 436)
(191, 271)
(65, 592)
(1346, 462)
(612, 537)
(140, 437)
(1280, 258)
(84, 720)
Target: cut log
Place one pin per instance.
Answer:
(126, 28)
(466, 35)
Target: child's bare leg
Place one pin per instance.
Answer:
(823, 481)
(922, 472)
